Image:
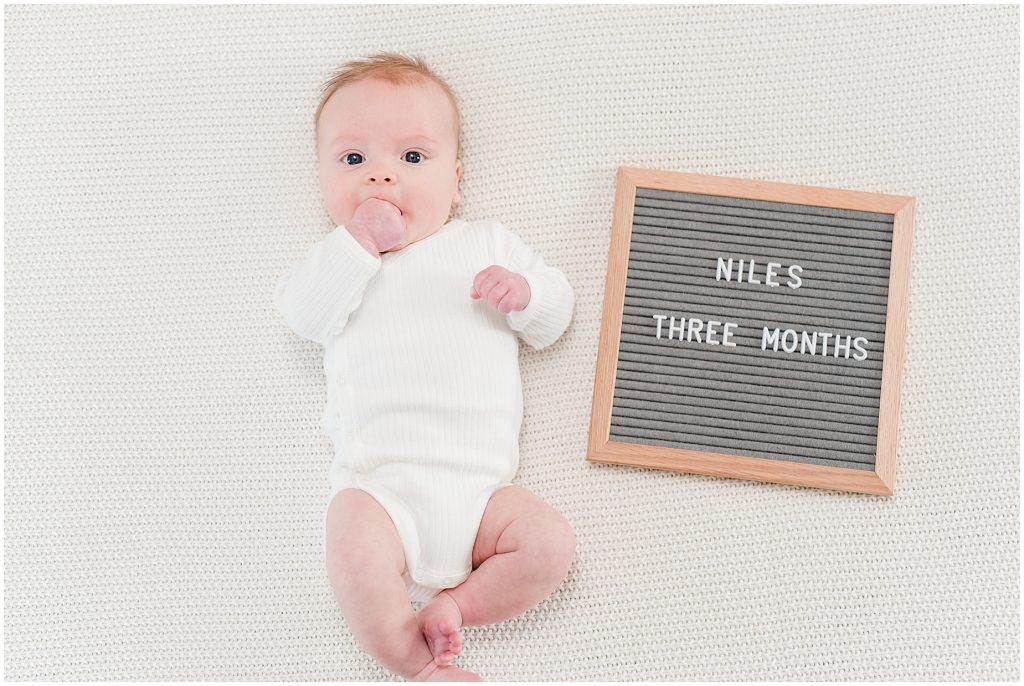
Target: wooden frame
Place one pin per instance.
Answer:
(881, 481)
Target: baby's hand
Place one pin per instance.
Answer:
(377, 225)
(504, 290)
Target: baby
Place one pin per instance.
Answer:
(418, 314)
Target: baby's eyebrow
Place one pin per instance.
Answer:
(402, 139)
(420, 137)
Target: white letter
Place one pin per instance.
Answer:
(689, 334)
(750, 273)
(855, 345)
(766, 339)
(728, 334)
(824, 343)
(785, 335)
(839, 345)
(813, 343)
(721, 267)
(672, 327)
(794, 276)
(711, 332)
(659, 317)
(769, 273)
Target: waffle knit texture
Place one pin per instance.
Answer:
(424, 399)
(164, 465)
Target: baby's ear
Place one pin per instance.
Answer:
(458, 176)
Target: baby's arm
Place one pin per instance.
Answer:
(317, 295)
(548, 310)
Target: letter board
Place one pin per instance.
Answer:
(753, 330)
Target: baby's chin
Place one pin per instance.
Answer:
(414, 240)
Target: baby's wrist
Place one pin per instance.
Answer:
(370, 246)
(364, 240)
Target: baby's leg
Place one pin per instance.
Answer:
(523, 551)
(365, 561)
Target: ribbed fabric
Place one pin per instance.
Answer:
(318, 294)
(425, 401)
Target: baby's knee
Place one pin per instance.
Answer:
(554, 545)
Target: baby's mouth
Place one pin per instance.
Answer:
(390, 203)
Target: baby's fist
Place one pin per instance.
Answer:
(377, 225)
(504, 290)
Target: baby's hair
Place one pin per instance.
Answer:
(392, 68)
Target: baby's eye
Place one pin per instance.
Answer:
(349, 160)
(415, 159)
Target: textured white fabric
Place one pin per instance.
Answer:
(164, 469)
(424, 399)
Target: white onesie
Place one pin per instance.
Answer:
(424, 396)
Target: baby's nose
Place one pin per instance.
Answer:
(379, 176)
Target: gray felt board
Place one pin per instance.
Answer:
(743, 400)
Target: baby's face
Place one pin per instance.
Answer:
(397, 143)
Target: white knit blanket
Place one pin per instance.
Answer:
(165, 471)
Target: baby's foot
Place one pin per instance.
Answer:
(440, 620)
(434, 673)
